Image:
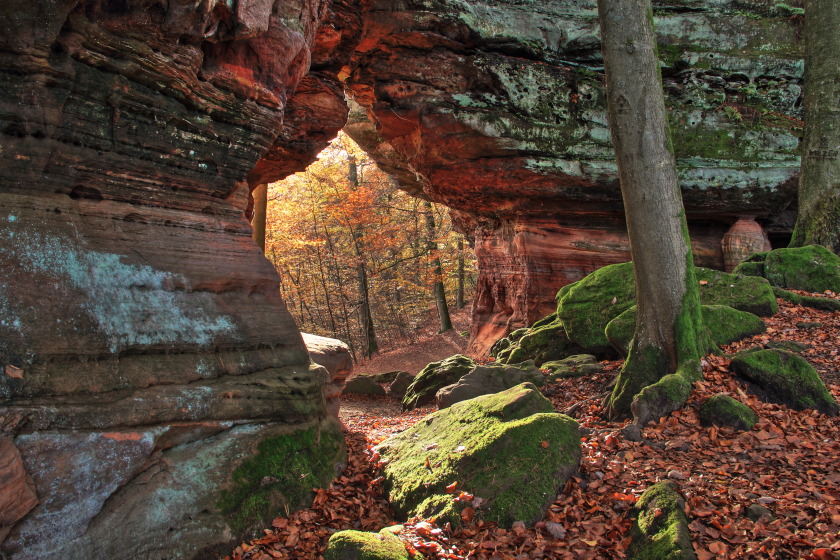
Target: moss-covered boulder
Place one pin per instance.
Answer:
(660, 531)
(578, 365)
(358, 545)
(784, 377)
(542, 342)
(364, 385)
(488, 379)
(433, 378)
(812, 269)
(823, 303)
(723, 410)
(510, 450)
(744, 293)
(724, 324)
(281, 475)
(587, 307)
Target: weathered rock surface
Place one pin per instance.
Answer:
(510, 450)
(488, 379)
(142, 337)
(336, 358)
(400, 384)
(784, 377)
(364, 385)
(497, 111)
(434, 377)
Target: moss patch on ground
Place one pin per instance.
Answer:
(808, 301)
(434, 377)
(281, 475)
(509, 449)
(784, 377)
(723, 410)
(660, 531)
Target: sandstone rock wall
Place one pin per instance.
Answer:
(497, 110)
(144, 349)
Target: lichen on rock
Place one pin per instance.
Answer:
(509, 449)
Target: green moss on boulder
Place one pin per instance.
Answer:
(744, 293)
(358, 545)
(784, 377)
(724, 324)
(723, 410)
(808, 301)
(660, 531)
(812, 269)
(591, 304)
(540, 344)
(509, 449)
(281, 476)
(588, 305)
(578, 365)
(487, 379)
(434, 377)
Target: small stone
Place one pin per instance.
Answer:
(758, 511)
(632, 432)
(676, 475)
(808, 325)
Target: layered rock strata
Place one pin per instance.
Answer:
(497, 111)
(145, 354)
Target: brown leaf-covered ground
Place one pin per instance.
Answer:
(788, 462)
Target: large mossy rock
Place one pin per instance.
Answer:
(433, 378)
(588, 306)
(812, 269)
(578, 365)
(542, 342)
(488, 379)
(723, 410)
(509, 449)
(784, 377)
(661, 528)
(358, 545)
(724, 324)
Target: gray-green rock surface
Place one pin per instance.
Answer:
(660, 531)
(486, 379)
(364, 385)
(358, 545)
(434, 377)
(509, 449)
(812, 269)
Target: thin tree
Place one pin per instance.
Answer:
(260, 195)
(366, 318)
(670, 336)
(818, 220)
(459, 294)
(437, 270)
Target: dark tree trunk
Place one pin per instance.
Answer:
(818, 221)
(439, 292)
(370, 346)
(669, 323)
(260, 194)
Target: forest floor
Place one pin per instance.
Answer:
(788, 463)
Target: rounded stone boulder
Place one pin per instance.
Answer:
(723, 410)
(434, 377)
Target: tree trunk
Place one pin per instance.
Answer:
(366, 318)
(459, 297)
(818, 221)
(668, 323)
(439, 292)
(260, 195)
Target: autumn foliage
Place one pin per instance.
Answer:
(344, 238)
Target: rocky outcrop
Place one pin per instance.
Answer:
(498, 112)
(143, 343)
(336, 358)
